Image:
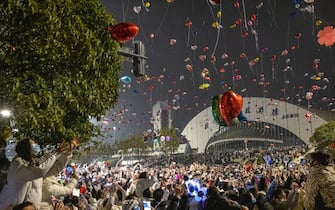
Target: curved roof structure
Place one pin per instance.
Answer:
(268, 120)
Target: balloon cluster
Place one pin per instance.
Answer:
(226, 107)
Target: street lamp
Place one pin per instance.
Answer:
(5, 113)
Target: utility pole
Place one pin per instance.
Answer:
(137, 56)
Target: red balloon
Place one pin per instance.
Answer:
(123, 32)
(214, 2)
(230, 106)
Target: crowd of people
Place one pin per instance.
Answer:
(283, 178)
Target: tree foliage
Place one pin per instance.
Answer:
(136, 144)
(324, 136)
(172, 145)
(58, 66)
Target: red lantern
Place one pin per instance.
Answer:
(230, 106)
(123, 32)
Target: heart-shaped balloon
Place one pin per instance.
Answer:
(230, 106)
(216, 110)
(123, 32)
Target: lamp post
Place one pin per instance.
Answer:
(5, 113)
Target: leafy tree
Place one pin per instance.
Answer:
(172, 145)
(59, 66)
(136, 144)
(324, 136)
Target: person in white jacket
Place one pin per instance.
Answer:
(26, 172)
(51, 187)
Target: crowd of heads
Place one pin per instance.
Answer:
(269, 179)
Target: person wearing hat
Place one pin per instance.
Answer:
(320, 184)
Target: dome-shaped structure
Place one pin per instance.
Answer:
(270, 121)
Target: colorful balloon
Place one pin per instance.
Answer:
(137, 9)
(214, 2)
(123, 32)
(173, 41)
(216, 111)
(326, 36)
(230, 106)
(204, 86)
(126, 79)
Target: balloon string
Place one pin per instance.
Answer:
(188, 36)
(288, 34)
(274, 22)
(213, 16)
(224, 41)
(233, 76)
(251, 69)
(313, 21)
(245, 16)
(273, 71)
(192, 70)
(164, 17)
(125, 9)
(146, 8)
(277, 64)
(141, 27)
(218, 32)
(216, 43)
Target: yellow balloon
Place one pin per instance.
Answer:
(215, 24)
(219, 14)
(317, 78)
(232, 26)
(170, 1)
(147, 4)
(256, 59)
(318, 23)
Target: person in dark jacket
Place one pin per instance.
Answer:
(279, 201)
(215, 201)
(261, 201)
(4, 163)
(158, 203)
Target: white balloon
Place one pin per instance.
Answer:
(137, 9)
(309, 1)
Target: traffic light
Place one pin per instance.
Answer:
(139, 59)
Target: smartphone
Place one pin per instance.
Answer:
(147, 205)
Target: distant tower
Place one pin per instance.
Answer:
(161, 116)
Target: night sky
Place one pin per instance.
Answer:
(260, 48)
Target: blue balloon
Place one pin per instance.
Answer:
(125, 79)
(197, 198)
